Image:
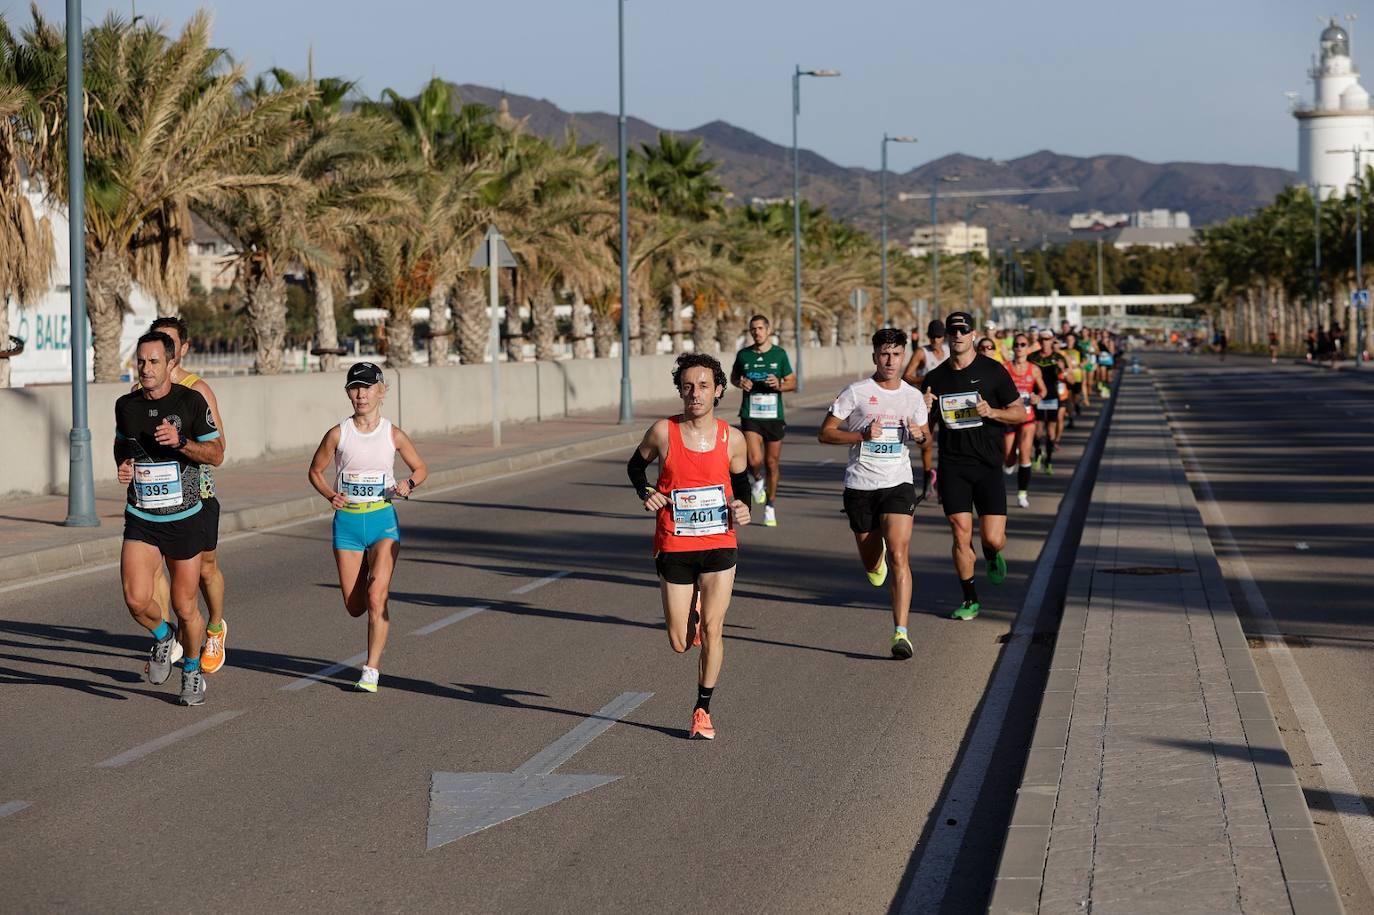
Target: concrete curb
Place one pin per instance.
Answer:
(19, 568)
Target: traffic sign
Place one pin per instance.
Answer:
(1360, 299)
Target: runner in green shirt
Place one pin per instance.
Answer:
(763, 372)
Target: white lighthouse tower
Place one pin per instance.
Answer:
(1338, 118)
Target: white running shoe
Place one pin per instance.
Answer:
(367, 683)
(1022, 501)
(759, 491)
(1009, 471)
(770, 518)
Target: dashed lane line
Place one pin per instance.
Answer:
(166, 740)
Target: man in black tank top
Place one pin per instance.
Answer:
(1052, 365)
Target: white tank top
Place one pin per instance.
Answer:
(932, 360)
(364, 462)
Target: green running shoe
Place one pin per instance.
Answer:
(879, 575)
(901, 646)
(967, 610)
(997, 569)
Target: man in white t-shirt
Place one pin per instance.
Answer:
(877, 418)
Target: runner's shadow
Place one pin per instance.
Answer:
(10, 677)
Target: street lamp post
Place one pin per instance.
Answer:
(883, 209)
(1359, 246)
(797, 74)
(627, 410)
(80, 473)
(935, 243)
(1316, 251)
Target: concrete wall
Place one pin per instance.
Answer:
(272, 416)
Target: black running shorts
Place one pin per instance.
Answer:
(965, 487)
(210, 510)
(772, 430)
(865, 506)
(184, 538)
(684, 567)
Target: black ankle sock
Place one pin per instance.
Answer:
(704, 698)
(1023, 478)
(970, 593)
(1049, 450)
(989, 553)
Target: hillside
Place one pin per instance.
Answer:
(751, 166)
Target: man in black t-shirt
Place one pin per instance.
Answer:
(164, 432)
(976, 400)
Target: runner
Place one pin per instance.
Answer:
(1075, 377)
(1273, 348)
(1019, 441)
(212, 655)
(876, 418)
(367, 537)
(923, 359)
(1088, 352)
(976, 399)
(764, 373)
(163, 434)
(701, 497)
(1053, 365)
(1106, 358)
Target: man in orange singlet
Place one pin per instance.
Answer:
(701, 497)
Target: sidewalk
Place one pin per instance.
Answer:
(33, 540)
(1156, 779)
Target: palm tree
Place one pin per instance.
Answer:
(26, 244)
(166, 130)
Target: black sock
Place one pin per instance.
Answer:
(989, 553)
(1023, 478)
(970, 593)
(1049, 450)
(704, 698)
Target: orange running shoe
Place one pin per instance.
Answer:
(212, 655)
(702, 729)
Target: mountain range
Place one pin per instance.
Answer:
(753, 167)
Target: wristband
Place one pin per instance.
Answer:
(411, 481)
(181, 444)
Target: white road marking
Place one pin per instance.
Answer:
(822, 463)
(1353, 813)
(10, 807)
(259, 531)
(331, 670)
(928, 886)
(450, 620)
(546, 580)
(166, 740)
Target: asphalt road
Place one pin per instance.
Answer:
(283, 793)
(1287, 454)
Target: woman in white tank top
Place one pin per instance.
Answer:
(367, 538)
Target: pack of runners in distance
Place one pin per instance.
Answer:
(987, 397)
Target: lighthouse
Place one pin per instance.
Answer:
(1339, 117)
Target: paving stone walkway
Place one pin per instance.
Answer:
(1157, 780)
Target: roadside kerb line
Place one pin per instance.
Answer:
(534, 585)
(926, 891)
(165, 740)
(1346, 796)
(331, 670)
(11, 807)
(450, 620)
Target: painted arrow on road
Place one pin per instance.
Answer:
(462, 803)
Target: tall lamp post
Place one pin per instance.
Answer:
(80, 473)
(1317, 250)
(883, 194)
(1359, 246)
(797, 74)
(627, 410)
(935, 243)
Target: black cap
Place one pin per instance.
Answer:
(935, 328)
(363, 373)
(960, 321)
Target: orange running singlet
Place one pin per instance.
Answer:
(697, 484)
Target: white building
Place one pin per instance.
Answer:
(949, 238)
(1339, 117)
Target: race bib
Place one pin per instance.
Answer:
(157, 485)
(1105, 359)
(960, 411)
(361, 488)
(887, 449)
(1046, 404)
(700, 511)
(763, 406)
(1025, 399)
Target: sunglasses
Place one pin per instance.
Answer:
(986, 349)
(1022, 345)
(955, 332)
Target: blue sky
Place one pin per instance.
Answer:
(1164, 80)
